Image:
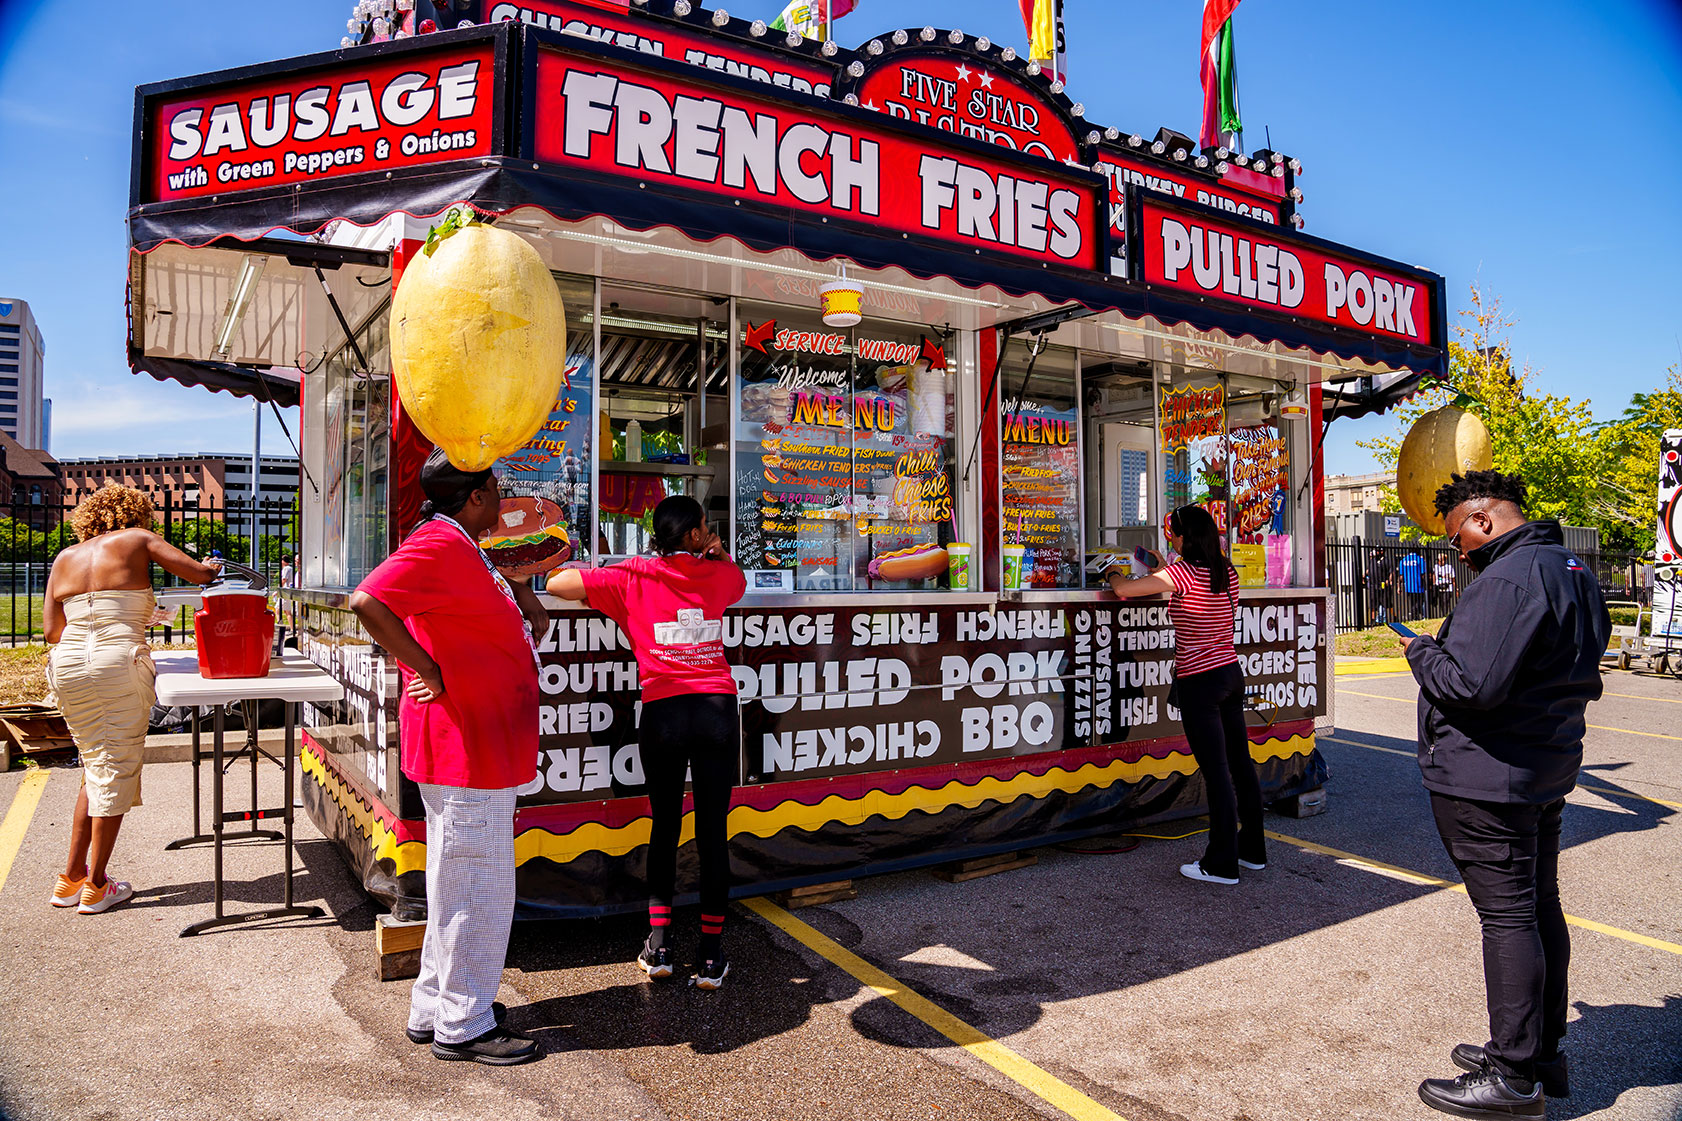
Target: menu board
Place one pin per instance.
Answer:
(843, 458)
(1194, 450)
(1261, 543)
(1042, 491)
(545, 522)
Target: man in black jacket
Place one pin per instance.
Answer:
(1502, 694)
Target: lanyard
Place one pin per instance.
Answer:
(501, 583)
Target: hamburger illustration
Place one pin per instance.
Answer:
(529, 538)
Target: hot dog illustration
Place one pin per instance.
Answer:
(919, 562)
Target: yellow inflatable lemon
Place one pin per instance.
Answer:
(478, 343)
(1443, 442)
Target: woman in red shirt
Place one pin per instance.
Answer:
(671, 608)
(1209, 685)
(462, 636)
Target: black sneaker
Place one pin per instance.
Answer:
(1551, 1073)
(498, 1047)
(710, 975)
(1482, 1093)
(657, 964)
(498, 1009)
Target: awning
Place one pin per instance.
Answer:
(248, 317)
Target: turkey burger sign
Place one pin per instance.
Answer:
(671, 130)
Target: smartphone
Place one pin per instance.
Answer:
(1143, 555)
(1403, 631)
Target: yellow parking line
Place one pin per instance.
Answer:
(1373, 665)
(1424, 879)
(18, 818)
(1580, 785)
(1596, 727)
(1041, 1083)
(1639, 697)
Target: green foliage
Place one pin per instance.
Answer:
(1550, 441)
(1627, 506)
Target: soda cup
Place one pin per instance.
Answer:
(957, 556)
(1014, 555)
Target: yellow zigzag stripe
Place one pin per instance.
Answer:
(410, 856)
(594, 837)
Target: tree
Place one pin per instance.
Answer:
(1547, 440)
(1627, 507)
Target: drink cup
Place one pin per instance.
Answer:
(1014, 556)
(958, 560)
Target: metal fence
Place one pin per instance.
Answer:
(33, 533)
(1390, 582)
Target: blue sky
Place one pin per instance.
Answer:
(1529, 146)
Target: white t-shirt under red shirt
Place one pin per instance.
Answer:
(1203, 620)
(672, 610)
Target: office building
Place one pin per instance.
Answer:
(22, 357)
(207, 479)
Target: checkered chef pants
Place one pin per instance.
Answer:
(469, 910)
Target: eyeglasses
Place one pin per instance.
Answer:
(1454, 542)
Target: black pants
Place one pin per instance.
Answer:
(1508, 856)
(1212, 711)
(697, 733)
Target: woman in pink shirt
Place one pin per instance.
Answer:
(462, 635)
(671, 608)
(1209, 689)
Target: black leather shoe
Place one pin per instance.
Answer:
(498, 1047)
(1552, 1074)
(1482, 1093)
(498, 1009)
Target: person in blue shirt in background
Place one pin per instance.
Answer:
(1412, 568)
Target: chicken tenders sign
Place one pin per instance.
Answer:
(674, 131)
(1203, 255)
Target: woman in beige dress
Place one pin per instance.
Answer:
(98, 605)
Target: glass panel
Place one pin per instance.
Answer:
(368, 419)
(1122, 487)
(1261, 482)
(336, 405)
(844, 454)
(546, 484)
(1042, 477)
(651, 431)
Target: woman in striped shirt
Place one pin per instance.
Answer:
(1210, 685)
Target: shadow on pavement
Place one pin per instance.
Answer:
(1626, 1046)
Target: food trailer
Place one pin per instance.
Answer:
(1063, 331)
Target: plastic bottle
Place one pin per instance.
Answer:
(633, 442)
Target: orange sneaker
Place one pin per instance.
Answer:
(98, 899)
(68, 892)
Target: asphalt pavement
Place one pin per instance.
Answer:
(1091, 985)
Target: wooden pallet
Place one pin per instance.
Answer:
(984, 866)
(31, 729)
(813, 895)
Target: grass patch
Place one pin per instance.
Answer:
(1381, 642)
(23, 674)
(20, 615)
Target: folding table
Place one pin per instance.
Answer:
(292, 679)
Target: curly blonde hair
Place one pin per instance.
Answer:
(111, 507)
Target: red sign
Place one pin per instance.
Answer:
(418, 107)
(621, 29)
(1238, 265)
(1149, 176)
(679, 132)
(959, 94)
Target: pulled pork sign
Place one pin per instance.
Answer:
(661, 128)
(409, 108)
(1203, 255)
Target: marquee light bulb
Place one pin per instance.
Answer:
(682, 8)
(1158, 147)
(757, 28)
(984, 44)
(792, 39)
(855, 69)
(1034, 66)
(720, 18)
(829, 48)
(1008, 54)
(1093, 137)
(926, 35)
(1135, 140)
(1202, 161)
(954, 36)
(873, 48)
(901, 38)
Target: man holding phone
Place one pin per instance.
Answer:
(1503, 688)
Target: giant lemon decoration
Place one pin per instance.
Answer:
(1443, 442)
(478, 341)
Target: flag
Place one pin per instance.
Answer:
(808, 17)
(1218, 69)
(1043, 20)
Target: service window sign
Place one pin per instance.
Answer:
(657, 128)
(417, 107)
(1241, 265)
(959, 94)
(622, 29)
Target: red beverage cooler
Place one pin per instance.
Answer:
(235, 631)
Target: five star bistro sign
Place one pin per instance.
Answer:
(665, 127)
